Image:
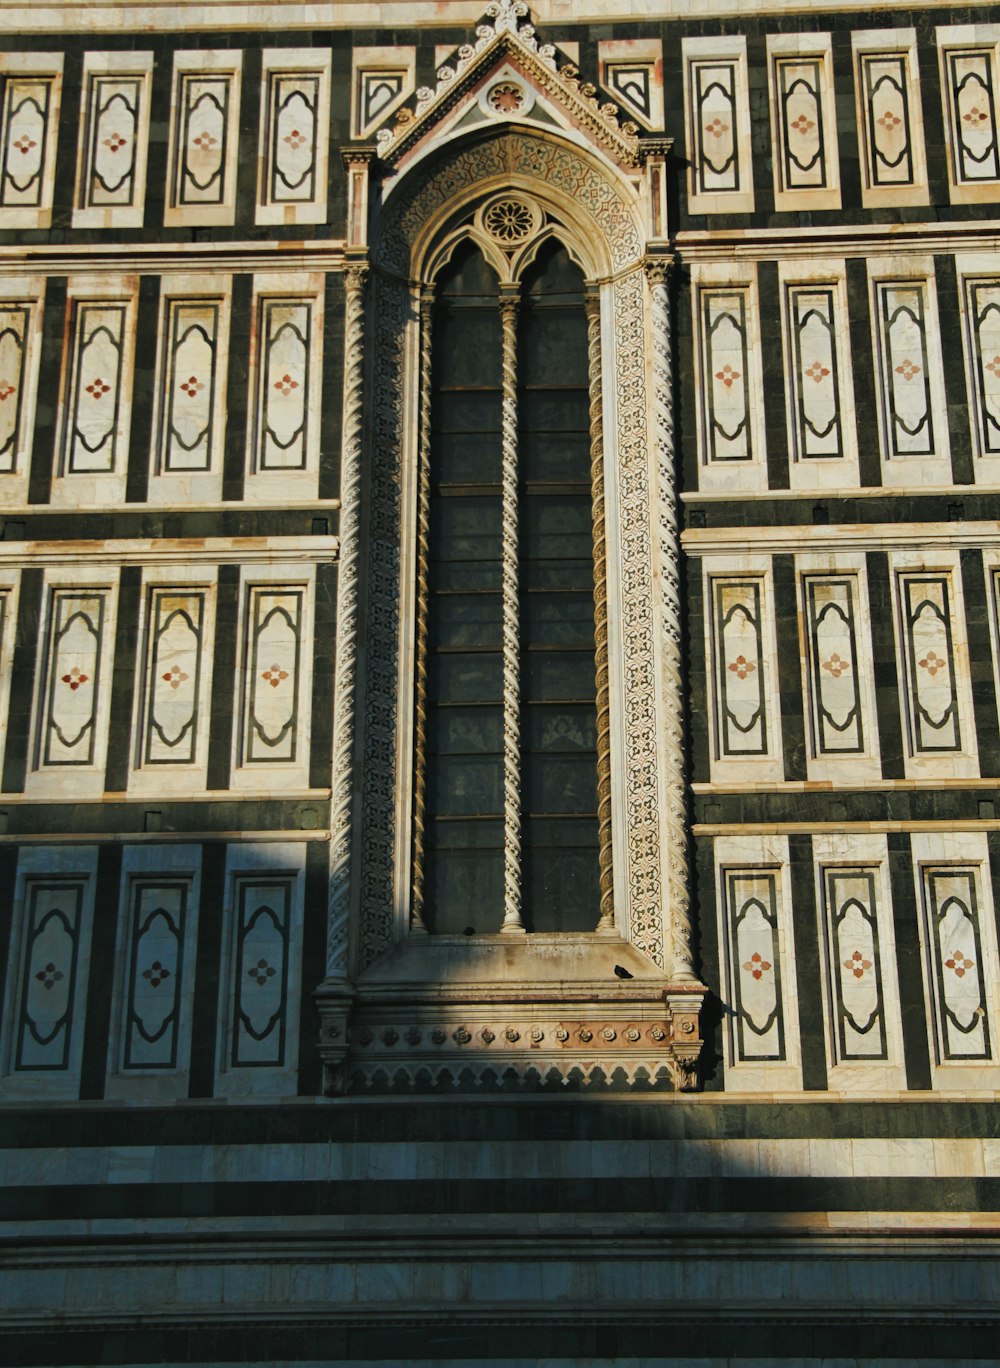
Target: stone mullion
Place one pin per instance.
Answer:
(423, 594)
(592, 304)
(345, 673)
(674, 815)
(512, 921)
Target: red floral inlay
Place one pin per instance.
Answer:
(24, 144)
(837, 665)
(994, 366)
(175, 676)
(261, 972)
(857, 964)
(49, 976)
(6, 390)
(890, 120)
(802, 124)
(716, 128)
(205, 141)
(741, 667)
(285, 385)
(908, 369)
(75, 678)
(757, 966)
(959, 963)
(727, 375)
(98, 388)
(192, 386)
(295, 139)
(975, 116)
(114, 142)
(156, 973)
(274, 675)
(817, 372)
(932, 663)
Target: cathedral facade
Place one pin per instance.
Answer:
(499, 667)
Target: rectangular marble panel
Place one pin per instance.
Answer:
(158, 912)
(173, 677)
(970, 77)
(803, 122)
(259, 1004)
(853, 956)
(981, 299)
(69, 700)
(30, 90)
(382, 78)
(926, 611)
(285, 405)
(294, 136)
(739, 668)
(957, 954)
(890, 123)
(835, 693)
(15, 378)
(204, 136)
(114, 129)
(93, 434)
(813, 367)
(48, 968)
(751, 909)
(725, 342)
(272, 656)
(190, 361)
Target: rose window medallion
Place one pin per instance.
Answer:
(506, 97)
(509, 220)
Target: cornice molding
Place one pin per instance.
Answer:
(179, 16)
(843, 240)
(165, 258)
(317, 550)
(930, 537)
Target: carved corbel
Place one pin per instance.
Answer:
(653, 153)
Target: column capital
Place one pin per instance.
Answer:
(658, 269)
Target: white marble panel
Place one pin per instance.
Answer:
(632, 74)
(293, 168)
(113, 140)
(819, 387)
(979, 306)
(803, 122)
(95, 410)
(170, 723)
(48, 972)
(760, 990)
(860, 989)
(286, 384)
(728, 379)
(204, 138)
(890, 120)
(29, 121)
(742, 658)
(22, 302)
(189, 415)
(274, 681)
(69, 735)
(961, 973)
(969, 58)
(259, 983)
(150, 1044)
(837, 669)
(932, 658)
(717, 121)
(909, 380)
(382, 78)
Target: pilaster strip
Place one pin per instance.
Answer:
(345, 672)
(423, 590)
(674, 814)
(511, 610)
(592, 304)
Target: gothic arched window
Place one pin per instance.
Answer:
(506, 755)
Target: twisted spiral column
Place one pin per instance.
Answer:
(675, 816)
(592, 306)
(423, 593)
(345, 672)
(511, 646)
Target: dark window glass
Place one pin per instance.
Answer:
(464, 749)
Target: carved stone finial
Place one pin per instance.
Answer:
(505, 14)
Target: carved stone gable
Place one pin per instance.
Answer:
(507, 76)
